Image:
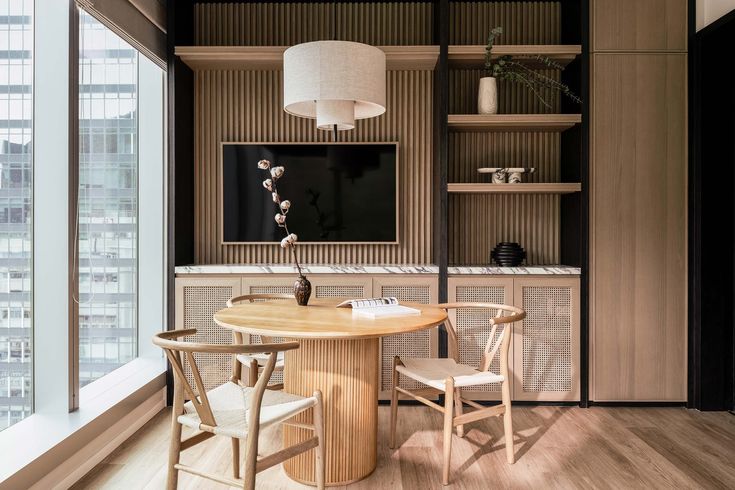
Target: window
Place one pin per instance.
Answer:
(108, 199)
(16, 105)
(114, 81)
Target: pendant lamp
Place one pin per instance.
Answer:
(334, 82)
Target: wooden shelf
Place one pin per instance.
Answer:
(512, 122)
(527, 188)
(473, 56)
(271, 57)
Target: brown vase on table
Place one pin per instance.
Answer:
(302, 290)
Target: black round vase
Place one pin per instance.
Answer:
(302, 290)
(508, 254)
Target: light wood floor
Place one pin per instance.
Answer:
(556, 447)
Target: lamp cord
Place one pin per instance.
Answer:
(334, 38)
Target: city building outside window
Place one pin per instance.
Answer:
(16, 126)
(108, 199)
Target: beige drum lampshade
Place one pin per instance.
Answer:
(334, 82)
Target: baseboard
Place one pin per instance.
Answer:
(488, 403)
(84, 460)
(637, 404)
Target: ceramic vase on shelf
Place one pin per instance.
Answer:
(487, 96)
(508, 254)
(302, 290)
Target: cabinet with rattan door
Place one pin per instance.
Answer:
(473, 327)
(425, 343)
(197, 300)
(545, 345)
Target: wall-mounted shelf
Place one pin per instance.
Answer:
(473, 56)
(521, 188)
(513, 122)
(271, 57)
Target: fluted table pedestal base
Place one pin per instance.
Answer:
(346, 371)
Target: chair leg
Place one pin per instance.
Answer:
(448, 418)
(236, 365)
(459, 408)
(253, 373)
(174, 449)
(393, 404)
(320, 449)
(236, 457)
(508, 424)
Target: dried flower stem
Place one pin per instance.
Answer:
(285, 227)
(507, 68)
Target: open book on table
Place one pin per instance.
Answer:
(378, 308)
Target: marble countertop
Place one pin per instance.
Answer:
(536, 270)
(546, 270)
(308, 269)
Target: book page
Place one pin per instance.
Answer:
(368, 303)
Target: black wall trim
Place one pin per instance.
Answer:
(711, 369)
(180, 105)
(638, 404)
(694, 204)
(441, 155)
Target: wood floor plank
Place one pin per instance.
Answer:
(694, 465)
(555, 447)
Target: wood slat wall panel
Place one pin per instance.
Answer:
(469, 151)
(282, 24)
(522, 22)
(478, 222)
(247, 106)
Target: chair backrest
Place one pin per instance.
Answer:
(180, 353)
(251, 298)
(506, 315)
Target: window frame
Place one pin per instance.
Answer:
(151, 239)
(93, 418)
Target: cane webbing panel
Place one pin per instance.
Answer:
(277, 376)
(340, 291)
(547, 339)
(200, 305)
(284, 289)
(416, 344)
(473, 327)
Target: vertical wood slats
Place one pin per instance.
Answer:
(247, 106)
(351, 366)
(251, 111)
(288, 23)
(522, 22)
(478, 222)
(470, 151)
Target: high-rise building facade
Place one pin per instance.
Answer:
(16, 130)
(108, 200)
(108, 204)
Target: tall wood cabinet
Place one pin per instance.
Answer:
(638, 165)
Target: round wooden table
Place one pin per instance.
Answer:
(339, 355)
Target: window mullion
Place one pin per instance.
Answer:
(51, 191)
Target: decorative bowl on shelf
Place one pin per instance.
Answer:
(508, 254)
(512, 174)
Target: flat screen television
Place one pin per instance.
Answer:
(339, 192)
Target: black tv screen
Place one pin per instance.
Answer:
(338, 192)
